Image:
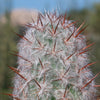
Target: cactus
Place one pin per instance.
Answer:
(53, 63)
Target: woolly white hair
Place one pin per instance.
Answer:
(52, 62)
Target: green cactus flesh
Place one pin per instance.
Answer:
(52, 62)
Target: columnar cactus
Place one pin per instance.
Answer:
(53, 62)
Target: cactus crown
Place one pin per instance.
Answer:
(53, 62)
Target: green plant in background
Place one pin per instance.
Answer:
(92, 17)
(53, 62)
(7, 43)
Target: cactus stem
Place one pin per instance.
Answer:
(54, 64)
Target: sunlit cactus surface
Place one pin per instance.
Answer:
(53, 62)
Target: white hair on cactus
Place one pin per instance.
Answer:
(52, 62)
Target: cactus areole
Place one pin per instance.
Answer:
(53, 63)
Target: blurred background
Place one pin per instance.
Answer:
(14, 14)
